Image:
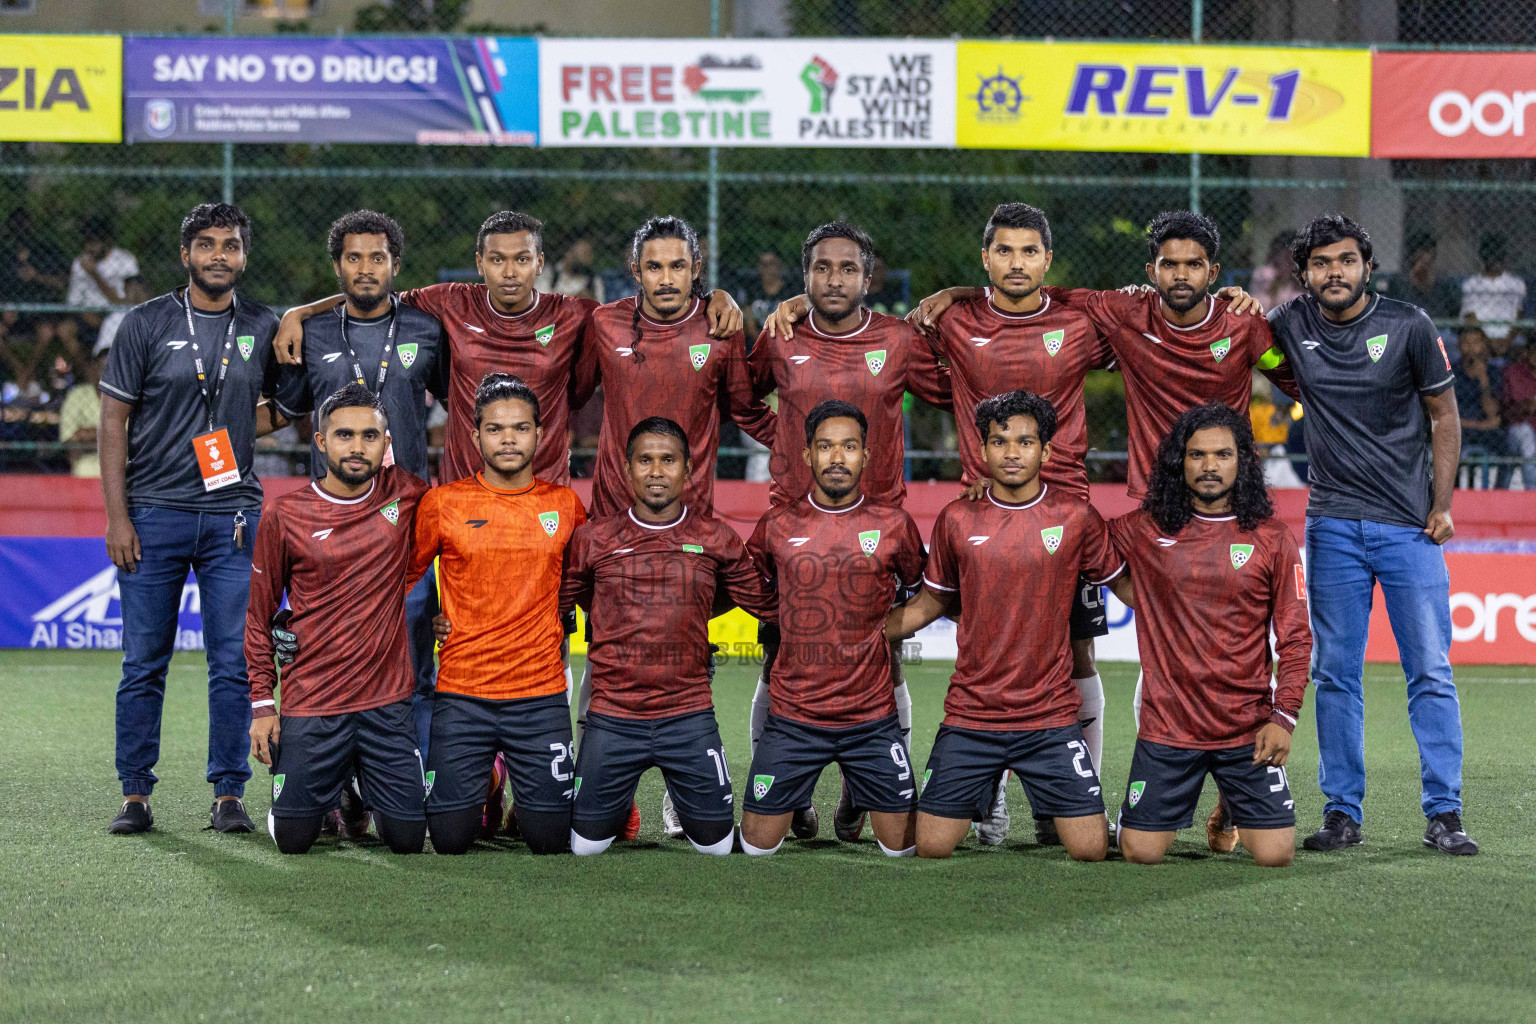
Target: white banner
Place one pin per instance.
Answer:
(747, 92)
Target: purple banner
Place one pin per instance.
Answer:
(295, 89)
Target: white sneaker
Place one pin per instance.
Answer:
(994, 829)
(669, 819)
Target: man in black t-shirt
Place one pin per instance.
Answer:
(399, 353)
(183, 398)
(1383, 439)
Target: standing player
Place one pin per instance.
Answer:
(650, 578)
(1384, 438)
(1213, 571)
(500, 538)
(340, 549)
(394, 350)
(183, 399)
(504, 325)
(837, 558)
(1007, 565)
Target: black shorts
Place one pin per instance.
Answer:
(1090, 616)
(615, 752)
(790, 758)
(316, 757)
(467, 732)
(1166, 781)
(1053, 764)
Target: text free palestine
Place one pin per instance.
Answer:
(668, 124)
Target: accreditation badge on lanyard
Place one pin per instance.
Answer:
(357, 364)
(215, 454)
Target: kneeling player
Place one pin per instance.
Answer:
(837, 557)
(340, 548)
(500, 538)
(1213, 569)
(650, 578)
(1008, 564)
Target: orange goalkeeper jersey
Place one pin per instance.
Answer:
(501, 556)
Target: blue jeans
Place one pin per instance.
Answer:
(1345, 559)
(173, 543)
(420, 606)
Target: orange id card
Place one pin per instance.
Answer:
(216, 459)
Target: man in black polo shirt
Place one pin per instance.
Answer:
(1383, 439)
(397, 352)
(183, 399)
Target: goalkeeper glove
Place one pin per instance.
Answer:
(284, 642)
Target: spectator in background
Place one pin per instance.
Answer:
(1274, 281)
(572, 274)
(886, 294)
(1478, 386)
(1520, 410)
(79, 415)
(31, 271)
(762, 293)
(1495, 294)
(137, 291)
(99, 273)
(1418, 283)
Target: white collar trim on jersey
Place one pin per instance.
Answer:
(1045, 304)
(697, 303)
(1028, 504)
(657, 526)
(343, 501)
(833, 511)
(1209, 312)
(1213, 519)
(865, 314)
(537, 295)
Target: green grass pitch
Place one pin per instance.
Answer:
(189, 925)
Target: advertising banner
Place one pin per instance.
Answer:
(61, 88)
(1453, 105)
(1156, 98)
(299, 89)
(747, 92)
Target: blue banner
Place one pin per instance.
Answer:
(422, 90)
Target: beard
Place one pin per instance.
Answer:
(214, 289)
(350, 477)
(1016, 293)
(1182, 305)
(655, 503)
(838, 488)
(1212, 498)
(856, 304)
(369, 303)
(1339, 306)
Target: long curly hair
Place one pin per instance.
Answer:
(1169, 499)
(651, 230)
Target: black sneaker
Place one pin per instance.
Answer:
(847, 820)
(229, 816)
(1446, 835)
(1045, 832)
(805, 823)
(1338, 832)
(135, 817)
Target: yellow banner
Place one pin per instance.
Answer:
(1155, 98)
(61, 88)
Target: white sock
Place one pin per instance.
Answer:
(904, 712)
(583, 702)
(587, 847)
(753, 851)
(1091, 689)
(759, 716)
(910, 851)
(723, 847)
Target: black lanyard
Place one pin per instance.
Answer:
(389, 344)
(211, 397)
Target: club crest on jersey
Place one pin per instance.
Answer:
(1133, 794)
(694, 549)
(428, 778)
(247, 344)
(1219, 349)
(1376, 346)
(576, 788)
(1053, 340)
(1052, 538)
(407, 354)
(544, 335)
(550, 521)
(1240, 555)
(926, 776)
(875, 361)
(697, 354)
(391, 512)
(761, 784)
(868, 541)
(277, 785)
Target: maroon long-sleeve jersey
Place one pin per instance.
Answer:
(1015, 568)
(1169, 370)
(836, 572)
(1049, 352)
(873, 367)
(651, 590)
(344, 565)
(1205, 599)
(540, 345)
(673, 369)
